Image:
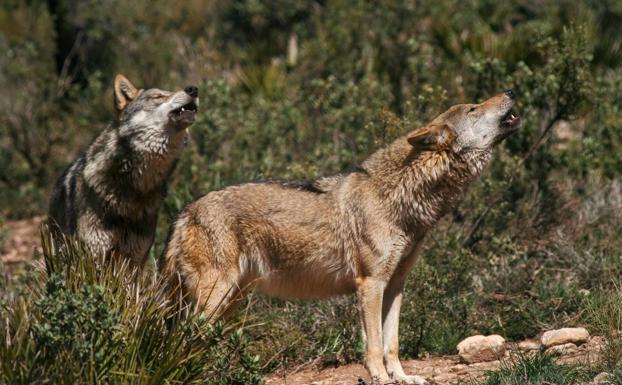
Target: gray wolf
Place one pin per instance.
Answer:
(109, 197)
(353, 233)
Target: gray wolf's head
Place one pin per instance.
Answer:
(468, 127)
(159, 111)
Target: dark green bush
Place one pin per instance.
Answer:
(79, 325)
(87, 321)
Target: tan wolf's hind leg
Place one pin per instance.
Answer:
(391, 304)
(220, 296)
(216, 288)
(369, 292)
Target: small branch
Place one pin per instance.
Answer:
(64, 79)
(497, 199)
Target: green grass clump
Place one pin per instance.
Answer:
(540, 369)
(603, 311)
(89, 321)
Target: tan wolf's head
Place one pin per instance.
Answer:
(154, 108)
(469, 127)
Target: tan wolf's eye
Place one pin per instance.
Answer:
(472, 109)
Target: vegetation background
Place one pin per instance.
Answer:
(297, 89)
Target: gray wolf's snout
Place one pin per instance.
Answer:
(509, 93)
(192, 91)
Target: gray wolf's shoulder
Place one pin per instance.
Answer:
(64, 200)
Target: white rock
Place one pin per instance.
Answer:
(446, 378)
(562, 349)
(564, 336)
(528, 345)
(480, 349)
(603, 378)
(459, 369)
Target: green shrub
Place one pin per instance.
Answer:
(75, 327)
(86, 320)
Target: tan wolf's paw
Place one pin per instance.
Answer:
(381, 380)
(411, 380)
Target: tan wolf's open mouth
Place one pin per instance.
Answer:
(510, 120)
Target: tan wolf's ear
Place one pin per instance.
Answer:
(431, 137)
(124, 92)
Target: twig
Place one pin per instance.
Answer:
(478, 222)
(63, 76)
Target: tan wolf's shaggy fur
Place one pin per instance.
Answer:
(353, 233)
(110, 196)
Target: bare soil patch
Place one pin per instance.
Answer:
(437, 370)
(22, 239)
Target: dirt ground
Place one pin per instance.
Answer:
(436, 370)
(22, 239)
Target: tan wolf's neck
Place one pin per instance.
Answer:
(421, 187)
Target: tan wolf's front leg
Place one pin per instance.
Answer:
(391, 304)
(370, 298)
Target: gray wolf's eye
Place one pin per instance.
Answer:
(472, 109)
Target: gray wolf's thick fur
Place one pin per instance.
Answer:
(109, 197)
(353, 233)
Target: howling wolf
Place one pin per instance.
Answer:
(353, 233)
(109, 197)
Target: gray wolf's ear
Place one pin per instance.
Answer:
(124, 92)
(432, 137)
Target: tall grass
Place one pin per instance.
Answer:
(540, 369)
(86, 320)
(603, 311)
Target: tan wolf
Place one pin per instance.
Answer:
(354, 233)
(110, 196)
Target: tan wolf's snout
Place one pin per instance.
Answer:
(357, 233)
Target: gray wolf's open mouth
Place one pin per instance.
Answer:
(510, 120)
(184, 114)
(192, 107)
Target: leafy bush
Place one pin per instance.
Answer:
(85, 320)
(80, 325)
